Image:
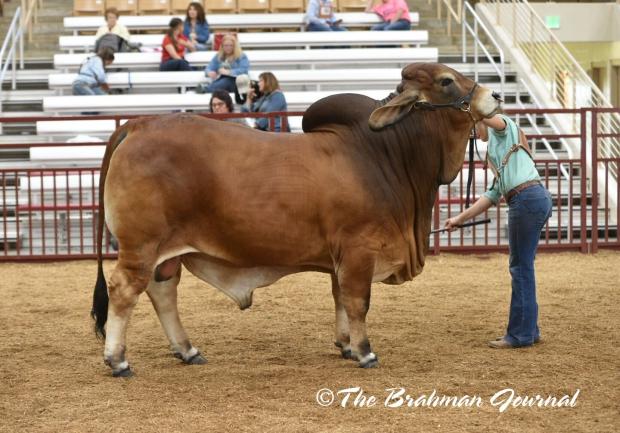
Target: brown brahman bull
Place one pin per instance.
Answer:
(241, 208)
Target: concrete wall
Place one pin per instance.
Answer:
(583, 22)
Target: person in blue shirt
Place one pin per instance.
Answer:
(228, 63)
(529, 208)
(320, 17)
(91, 79)
(270, 99)
(196, 27)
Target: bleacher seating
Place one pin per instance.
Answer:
(124, 7)
(252, 6)
(153, 7)
(88, 7)
(158, 103)
(224, 21)
(279, 39)
(351, 5)
(385, 77)
(270, 58)
(287, 6)
(220, 6)
(178, 6)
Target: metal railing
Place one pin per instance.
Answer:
(13, 39)
(24, 19)
(31, 16)
(477, 23)
(453, 12)
(565, 80)
(50, 212)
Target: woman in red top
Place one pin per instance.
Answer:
(173, 48)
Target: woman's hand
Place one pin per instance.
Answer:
(453, 223)
(212, 75)
(251, 94)
(223, 71)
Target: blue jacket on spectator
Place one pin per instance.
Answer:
(274, 101)
(237, 67)
(202, 31)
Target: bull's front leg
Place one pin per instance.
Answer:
(354, 279)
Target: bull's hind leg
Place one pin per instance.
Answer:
(342, 338)
(163, 295)
(354, 279)
(128, 280)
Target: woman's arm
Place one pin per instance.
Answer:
(173, 53)
(187, 44)
(369, 5)
(202, 33)
(496, 122)
(212, 67)
(242, 65)
(399, 15)
(480, 206)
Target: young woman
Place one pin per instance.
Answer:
(112, 25)
(91, 79)
(196, 27)
(229, 62)
(173, 48)
(221, 103)
(271, 99)
(394, 13)
(529, 208)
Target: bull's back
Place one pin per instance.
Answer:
(218, 186)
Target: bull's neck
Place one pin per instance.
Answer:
(424, 150)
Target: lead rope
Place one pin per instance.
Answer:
(470, 169)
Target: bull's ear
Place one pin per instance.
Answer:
(393, 111)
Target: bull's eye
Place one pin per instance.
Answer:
(446, 82)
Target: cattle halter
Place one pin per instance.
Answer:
(463, 104)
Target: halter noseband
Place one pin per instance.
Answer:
(463, 103)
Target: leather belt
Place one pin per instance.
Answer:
(517, 189)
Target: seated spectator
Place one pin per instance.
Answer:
(112, 25)
(268, 99)
(320, 17)
(91, 79)
(174, 44)
(196, 27)
(394, 13)
(221, 103)
(229, 62)
(113, 34)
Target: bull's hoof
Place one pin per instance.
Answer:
(125, 372)
(369, 361)
(347, 354)
(197, 359)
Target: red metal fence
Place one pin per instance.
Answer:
(50, 213)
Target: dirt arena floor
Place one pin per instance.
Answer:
(266, 364)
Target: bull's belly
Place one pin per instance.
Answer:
(238, 283)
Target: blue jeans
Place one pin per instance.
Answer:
(528, 213)
(398, 25)
(175, 65)
(82, 88)
(320, 27)
(224, 82)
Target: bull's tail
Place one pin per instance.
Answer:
(99, 310)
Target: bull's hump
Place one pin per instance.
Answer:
(341, 109)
